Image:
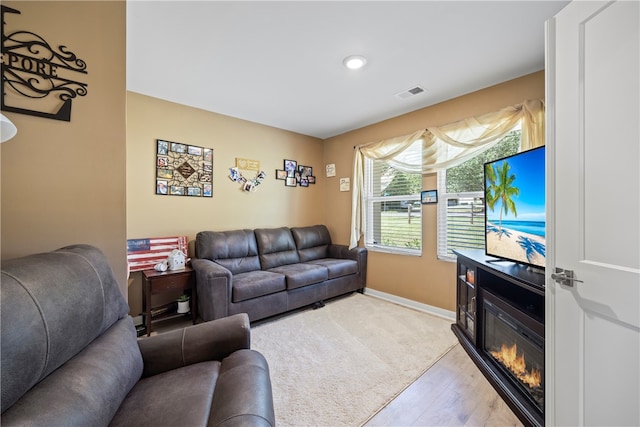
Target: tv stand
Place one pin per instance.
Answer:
(487, 293)
(491, 261)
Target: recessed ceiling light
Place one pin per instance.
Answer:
(354, 62)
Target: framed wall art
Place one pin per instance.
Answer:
(295, 175)
(183, 170)
(290, 181)
(429, 196)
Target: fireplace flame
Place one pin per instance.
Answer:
(509, 357)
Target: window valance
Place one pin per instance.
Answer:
(441, 147)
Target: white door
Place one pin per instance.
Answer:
(593, 145)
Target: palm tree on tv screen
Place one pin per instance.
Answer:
(500, 188)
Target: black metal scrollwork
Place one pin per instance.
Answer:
(32, 68)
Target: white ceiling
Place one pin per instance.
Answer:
(280, 63)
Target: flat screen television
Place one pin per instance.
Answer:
(514, 203)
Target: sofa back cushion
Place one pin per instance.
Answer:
(312, 242)
(53, 305)
(235, 250)
(276, 247)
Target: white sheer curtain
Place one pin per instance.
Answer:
(444, 147)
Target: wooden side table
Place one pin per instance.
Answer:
(156, 282)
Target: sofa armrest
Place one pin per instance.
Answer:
(213, 284)
(343, 252)
(358, 254)
(198, 343)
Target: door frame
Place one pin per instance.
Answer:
(550, 142)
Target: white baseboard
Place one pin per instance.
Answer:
(430, 309)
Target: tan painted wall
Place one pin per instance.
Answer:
(64, 182)
(424, 279)
(91, 180)
(272, 205)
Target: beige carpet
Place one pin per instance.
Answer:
(339, 365)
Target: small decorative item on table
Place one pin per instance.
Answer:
(176, 260)
(471, 278)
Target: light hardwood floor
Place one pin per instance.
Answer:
(453, 392)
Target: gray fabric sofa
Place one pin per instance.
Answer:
(268, 271)
(71, 357)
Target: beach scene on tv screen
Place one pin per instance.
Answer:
(515, 203)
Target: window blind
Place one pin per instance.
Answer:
(394, 212)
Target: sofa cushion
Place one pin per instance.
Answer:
(256, 284)
(180, 397)
(337, 267)
(299, 275)
(312, 242)
(276, 247)
(89, 388)
(43, 297)
(235, 250)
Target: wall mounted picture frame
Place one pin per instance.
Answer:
(290, 166)
(428, 197)
(291, 181)
(295, 175)
(330, 170)
(183, 170)
(345, 184)
(305, 171)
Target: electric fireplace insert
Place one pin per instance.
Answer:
(513, 343)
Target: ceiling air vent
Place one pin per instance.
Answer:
(416, 90)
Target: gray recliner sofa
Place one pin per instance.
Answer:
(71, 357)
(268, 271)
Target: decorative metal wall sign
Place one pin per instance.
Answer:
(183, 170)
(38, 79)
(248, 164)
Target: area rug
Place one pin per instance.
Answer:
(340, 364)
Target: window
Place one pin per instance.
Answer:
(393, 209)
(461, 199)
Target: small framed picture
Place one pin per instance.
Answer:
(178, 148)
(290, 166)
(208, 155)
(281, 174)
(429, 196)
(345, 184)
(162, 162)
(312, 179)
(161, 187)
(194, 151)
(163, 147)
(330, 170)
(176, 190)
(291, 181)
(165, 173)
(305, 171)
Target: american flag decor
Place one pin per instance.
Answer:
(144, 254)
